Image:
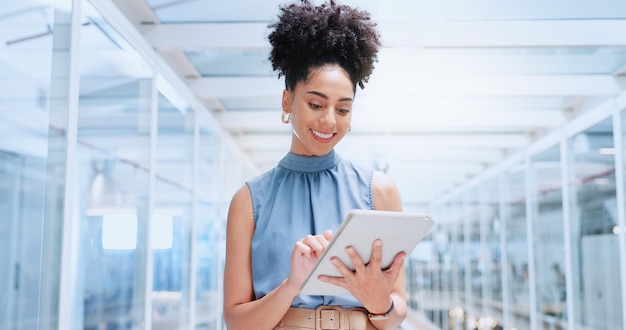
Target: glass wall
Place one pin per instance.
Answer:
(209, 232)
(593, 226)
(172, 218)
(113, 163)
(34, 71)
(476, 262)
(113, 187)
(548, 269)
(516, 280)
(490, 225)
(543, 234)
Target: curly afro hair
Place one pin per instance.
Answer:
(308, 36)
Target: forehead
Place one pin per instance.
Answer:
(328, 77)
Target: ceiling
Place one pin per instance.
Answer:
(460, 84)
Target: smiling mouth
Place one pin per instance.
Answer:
(322, 135)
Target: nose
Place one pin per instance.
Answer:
(328, 117)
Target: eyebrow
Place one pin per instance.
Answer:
(326, 96)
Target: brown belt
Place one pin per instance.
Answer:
(325, 318)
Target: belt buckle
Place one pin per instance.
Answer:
(329, 318)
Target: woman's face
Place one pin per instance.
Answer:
(321, 110)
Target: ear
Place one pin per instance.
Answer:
(286, 103)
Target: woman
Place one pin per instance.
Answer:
(280, 222)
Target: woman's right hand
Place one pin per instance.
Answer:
(305, 254)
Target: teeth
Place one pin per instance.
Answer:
(322, 135)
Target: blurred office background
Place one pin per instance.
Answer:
(126, 126)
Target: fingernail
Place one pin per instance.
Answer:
(378, 242)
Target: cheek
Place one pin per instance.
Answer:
(345, 121)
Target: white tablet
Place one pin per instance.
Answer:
(398, 232)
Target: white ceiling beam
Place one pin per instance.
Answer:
(480, 34)
(441, 34)
(522, 85)
(410, 120)
(137, 11)
(236, 87)
(545, 85)
(235, 36)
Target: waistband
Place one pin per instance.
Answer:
(325, 318)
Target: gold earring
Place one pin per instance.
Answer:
(285, 117)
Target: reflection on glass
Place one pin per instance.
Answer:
(490, 249)
(209, 233)
(32, 168)
(113, 179)
(516, 270)
(595, 247)
(548, 242)
(171, 221)
(476, 263)
(456, 313)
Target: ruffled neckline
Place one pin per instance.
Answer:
(301, 163)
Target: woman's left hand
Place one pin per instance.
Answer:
(370, 284)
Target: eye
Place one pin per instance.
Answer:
(315, 106)
(344, 111)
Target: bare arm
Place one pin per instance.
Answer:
(241, 310)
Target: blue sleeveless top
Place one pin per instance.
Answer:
(302, 195)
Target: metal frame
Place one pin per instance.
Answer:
(618, 140)
(68, 296)
(530, 222)
(504, 258)
(567, 231)
(194, 224)
(149, 257)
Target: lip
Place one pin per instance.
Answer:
(324, 138)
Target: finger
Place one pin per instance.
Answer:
(328, 235)
(339, 281)
(301, 247)
(398, 261)
(347, 275)
(314, 243)
(323, 242)
(325, 238)
(377, 254)
(344, 271)
(357, 262)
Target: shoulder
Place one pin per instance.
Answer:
(242, 196)
(385, 193)
(241, 206)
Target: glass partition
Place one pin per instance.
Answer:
(34, 62)
(171, 221)
(209, 233)
(490, 250)
(456, 312)
(516, 248)
(594, 242)
(548, 239)
(113, 164)
(476, 265)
